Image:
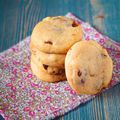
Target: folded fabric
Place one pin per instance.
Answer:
(23, 96)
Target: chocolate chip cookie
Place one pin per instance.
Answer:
(50, 70)
(88, 67)
(54, 60)
(56, 34)
(44, 76)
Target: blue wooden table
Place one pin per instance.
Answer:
(18, 17)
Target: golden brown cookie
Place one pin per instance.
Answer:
(88, 67)
(50, 70)
(44, 76)
(56, 34)
(54, 60)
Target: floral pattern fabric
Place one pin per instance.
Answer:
(24, 97)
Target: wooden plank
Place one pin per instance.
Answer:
(18, 17)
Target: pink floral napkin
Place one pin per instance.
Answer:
(23, 96)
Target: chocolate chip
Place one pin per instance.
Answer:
(92, 75)
(53, 72)
(48, 42)
(82, 81)
(79, 73)
(103, 55)
(45, 66)
(74, 24)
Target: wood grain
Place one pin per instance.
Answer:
(18, 17)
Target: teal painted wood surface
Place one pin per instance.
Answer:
(18, 17)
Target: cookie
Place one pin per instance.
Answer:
(56, 34)
(88, 67)
(50, 70)
(54, 60)
(44, 76)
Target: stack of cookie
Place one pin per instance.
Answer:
(50, 40)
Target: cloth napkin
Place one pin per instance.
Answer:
(24, 96)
